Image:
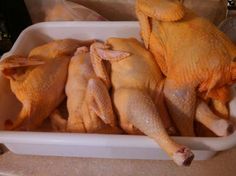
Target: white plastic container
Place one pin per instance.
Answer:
(97, 145)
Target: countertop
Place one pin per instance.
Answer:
(223, 164)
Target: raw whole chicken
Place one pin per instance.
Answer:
(38, 81)
(195, 57)
(137, 93)
(88, 100)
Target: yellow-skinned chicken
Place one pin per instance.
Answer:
(137, 93)
(88, 100)
(38, 81)
(195, 57)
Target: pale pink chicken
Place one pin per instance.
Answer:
(195, 57)
(38, 81)
(88, 101)
(137, 93)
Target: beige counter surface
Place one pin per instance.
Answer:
(223, 164)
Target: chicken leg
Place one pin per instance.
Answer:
(139, 109)
(219, 126)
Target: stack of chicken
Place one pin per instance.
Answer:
(176, 83)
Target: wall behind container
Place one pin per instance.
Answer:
(114, 10)
(123, 10)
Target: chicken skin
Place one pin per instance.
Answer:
(137, 93)
(7, 99)
(88, 100)
(195, 57)
(38, 81)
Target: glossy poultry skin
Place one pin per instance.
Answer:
(88, 100)
(38, 81)
(137, 94)
(193, 54)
